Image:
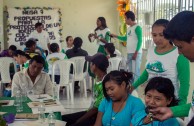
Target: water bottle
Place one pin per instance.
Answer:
(18, 101)
(55, 91)
(41, 109)
(24, 94)
(51, 119)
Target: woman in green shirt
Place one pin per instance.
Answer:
(181, 32)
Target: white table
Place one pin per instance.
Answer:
(34, 123)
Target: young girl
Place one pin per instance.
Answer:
(69, 42)
(159, 92)
(164, 60)
(118, 107)
(102, 34)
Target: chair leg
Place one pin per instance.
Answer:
(67, 90)
(85, 90)
(71, 92)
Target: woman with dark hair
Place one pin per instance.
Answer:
(76, 50)
(119, 106)
(102, 34)
(164, 60)
(69, 43)
(21, 58)
(159, 92)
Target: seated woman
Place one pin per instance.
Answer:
(118, 107)
(159, 92)
(21, 58)
(111, 51)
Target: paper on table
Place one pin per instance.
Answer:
(36, 104)
(35, 123)
(48, 109)
(38, 97)
(10, 102)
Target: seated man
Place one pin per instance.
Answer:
(33, 78)
(99, 65)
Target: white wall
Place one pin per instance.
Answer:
(78, 16)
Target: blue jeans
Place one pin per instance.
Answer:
(134, 65)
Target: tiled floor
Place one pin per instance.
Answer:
(80, 102)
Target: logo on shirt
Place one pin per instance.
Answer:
(155, 66)
(52, 60)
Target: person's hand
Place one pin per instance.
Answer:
(161, 113)
(113, 35)
(134, 56)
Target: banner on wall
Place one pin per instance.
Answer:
(21, 23)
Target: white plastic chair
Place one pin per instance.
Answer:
(114, 64)
(65, 79)
(80, 74)
(5, 70)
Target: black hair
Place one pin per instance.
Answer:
(130, 14)
(110, 48)
(164, 86)
(67, 38)
(163, 23)
(22, 53)
(77, 42)
(13, 48)
(30, 43)
(54, 47)
(181, 27)
(118, 77)
(38, 24)
(38, 59)
(103, 22)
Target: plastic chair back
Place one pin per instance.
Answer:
(5, 68)
(64, 66)
(114, 63)
(80, 67)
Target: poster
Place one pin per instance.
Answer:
(21, 23)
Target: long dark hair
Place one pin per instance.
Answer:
(118, 77)
(103, 23)
(164, 86)
(77, 42)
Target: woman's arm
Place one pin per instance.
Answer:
(88, 115)
(99, 119)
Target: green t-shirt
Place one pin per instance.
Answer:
(98, 94)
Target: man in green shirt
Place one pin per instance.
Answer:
(181, 32)
(98, 65)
